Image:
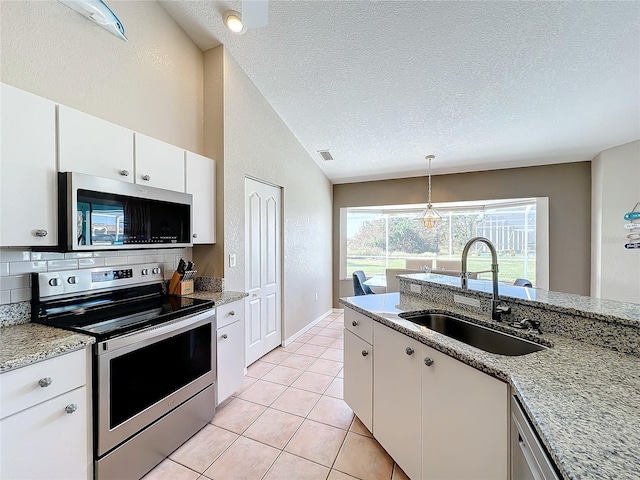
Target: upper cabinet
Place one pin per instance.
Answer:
(93, 146)
(201, 183)
(159, 164)
(28, 179)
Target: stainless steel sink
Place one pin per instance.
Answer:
(472, 334)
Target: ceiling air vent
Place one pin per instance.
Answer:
(326, 156)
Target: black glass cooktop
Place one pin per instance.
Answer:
(116, 313)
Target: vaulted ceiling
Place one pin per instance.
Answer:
(482, 85)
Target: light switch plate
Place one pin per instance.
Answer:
(232, 260)
(415, 288)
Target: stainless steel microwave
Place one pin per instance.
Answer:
(104, 214)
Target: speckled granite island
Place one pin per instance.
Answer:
(582, 394)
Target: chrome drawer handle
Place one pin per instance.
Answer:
(224, 335)
(354, 323)
(72, 407)
(409, 351)
(45, 382)
(428, 361)
(124, 173)
(146, 178)
(364, 353)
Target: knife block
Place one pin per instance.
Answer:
(177, 286)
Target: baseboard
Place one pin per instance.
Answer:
(338, 310)
(303, 330)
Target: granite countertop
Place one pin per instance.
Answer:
(219, 298)
(598, 308)
(28, 343)
(582, 399)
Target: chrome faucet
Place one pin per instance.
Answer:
(496, 308)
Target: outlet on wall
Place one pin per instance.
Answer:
(316, 297)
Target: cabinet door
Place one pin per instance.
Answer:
(46, 441)
(94, 146)
(358, 377)
(396, 397)
(159, 164)
(28, 181)
(230, 359)
(464, 421)
(201, 183)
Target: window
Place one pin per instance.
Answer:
(376, 238)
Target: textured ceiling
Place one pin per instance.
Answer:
(482, 85)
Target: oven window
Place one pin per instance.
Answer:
(110, 219)
(146, 375)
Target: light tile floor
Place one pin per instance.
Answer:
(287, 422)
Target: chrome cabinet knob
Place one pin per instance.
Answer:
(195, 235)
(41, 232)
(146, 178)
(428, 361)
(224, 335)
(232, 313)
(45, 382)
(364, 353)
(354, 323)
(409, 351)
(124, 173)
(72, 407)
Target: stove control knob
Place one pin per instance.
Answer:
(155, 271)
(145, 271)
(55, 282)
(73, 280)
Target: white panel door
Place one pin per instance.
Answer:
(28, 178)
(262, 262)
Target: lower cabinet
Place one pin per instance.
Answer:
(437, 417)
(48, 436)
(396, 397)
(358, 377)
(230, 349)
(465, 421)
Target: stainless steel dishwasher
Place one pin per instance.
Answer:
(529, 459)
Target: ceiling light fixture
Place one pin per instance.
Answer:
(233, 21)
(430, 217)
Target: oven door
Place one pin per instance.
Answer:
(144, 375)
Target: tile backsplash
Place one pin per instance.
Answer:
(17, 264)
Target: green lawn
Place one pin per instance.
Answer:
(509, 268)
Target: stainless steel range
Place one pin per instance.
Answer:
(154, 364)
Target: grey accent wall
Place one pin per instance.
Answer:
(568, 187)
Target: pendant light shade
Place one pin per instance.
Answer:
(430, 217)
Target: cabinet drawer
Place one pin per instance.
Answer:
(359, 324)
(21, 388)
(229, 313)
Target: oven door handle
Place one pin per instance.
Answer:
(156, 333)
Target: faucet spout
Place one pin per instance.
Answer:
(496, 308)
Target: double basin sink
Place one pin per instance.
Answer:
(473, 334)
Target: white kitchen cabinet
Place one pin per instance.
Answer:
(464, 421)
(359, 324)
(159, 164)
(28, 179)
(201, 183)
(230, 348)
(93, 146)
(358, 377)
(46, 417)
(396, 397)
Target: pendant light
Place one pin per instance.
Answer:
(430, 217)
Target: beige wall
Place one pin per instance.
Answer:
(615, 270)
(257, 143)
(151, 84)
(568, 187)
